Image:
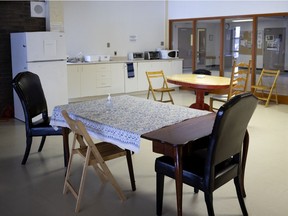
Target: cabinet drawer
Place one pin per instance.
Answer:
(103, 78)
(103, 75)
(103, 82)
(101, 67)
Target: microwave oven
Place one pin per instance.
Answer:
(151, 55)
(135, 56)
(168, 54)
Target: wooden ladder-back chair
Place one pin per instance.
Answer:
(95, 155)
(158, 83)
(238, 84)
(266, 86)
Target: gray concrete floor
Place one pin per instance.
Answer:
(36, 188)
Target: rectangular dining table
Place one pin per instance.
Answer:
(125, 119)
(128, 119)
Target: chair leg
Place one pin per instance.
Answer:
(27, 150)
(82, 182)
(170, 96)
(131, 170)
(162, 96)
(159, 193)
(67, 176)
(42, 143)
(148, 93)
(112, 180)
(240, 196)
(153, 94)
(65, 135)
(211, 104)
(209, 203)
(276, 96)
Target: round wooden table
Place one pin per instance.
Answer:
(200, 84)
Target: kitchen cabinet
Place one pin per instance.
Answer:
(147, 66)
(95, 79)
(169, 67)
(74, 80)
(131, 84)
(117, 77)
(85, 80)
(176, 66)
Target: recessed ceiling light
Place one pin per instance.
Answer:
(243, 20)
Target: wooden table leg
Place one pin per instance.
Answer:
(65, 133)
(200, 94)
(130, 169)
(244, 158)
(178, 178)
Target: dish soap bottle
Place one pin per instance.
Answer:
(109, 103)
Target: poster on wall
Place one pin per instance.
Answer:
(246, 43)
(273, 43)
(259, 39)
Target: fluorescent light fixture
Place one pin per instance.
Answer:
(243, 20)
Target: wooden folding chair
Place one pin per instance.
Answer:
(266, 86)
(238, 83)
(158, 83)
(95, 155)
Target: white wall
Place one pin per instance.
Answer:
(178, 9)
(90, 25)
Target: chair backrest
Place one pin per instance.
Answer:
(159, 79)
(239, 78)
(29, 90)
(202, 71)
(228, 132)
(268, 78)
(81, 135)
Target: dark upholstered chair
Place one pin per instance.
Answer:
(209, 168)
(29, 90)
(203, 72)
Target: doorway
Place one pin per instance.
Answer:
(201, 47)
(185, 46)
(274, 48)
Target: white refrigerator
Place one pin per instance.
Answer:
(43, 53)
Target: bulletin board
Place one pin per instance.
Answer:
(246, 43)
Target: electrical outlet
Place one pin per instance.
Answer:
(115, 53)
(108, 44)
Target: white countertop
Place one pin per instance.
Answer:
(123, 60)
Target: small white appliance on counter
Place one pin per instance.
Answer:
(42, 53)
(135, 56)
(169, 54)
(96, 58)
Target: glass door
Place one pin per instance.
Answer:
(182, 41)
(208, 45)
(273, 31)
(237, 42)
